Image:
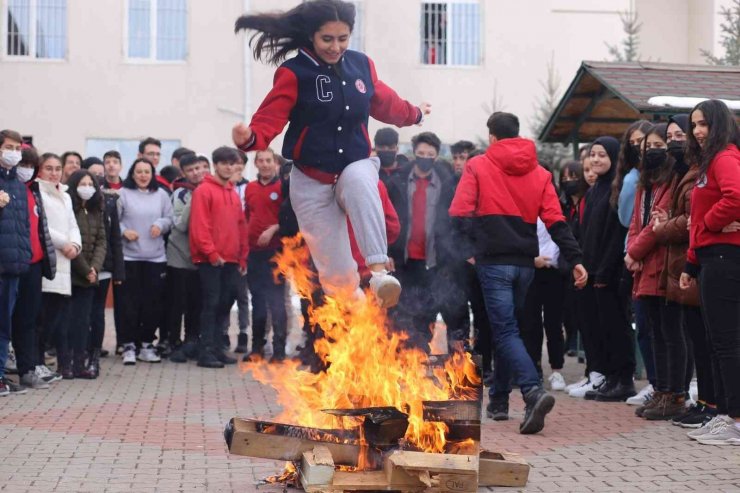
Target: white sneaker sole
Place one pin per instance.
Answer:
(712, 441)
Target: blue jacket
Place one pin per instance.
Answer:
(328, 107)
(15, 227)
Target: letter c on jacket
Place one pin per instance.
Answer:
(324, 95)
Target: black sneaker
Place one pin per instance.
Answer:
(14, 388)
(698, 418)
(690, 411)
(225, 342)
(208, 360)
(178, 356)
(223, 357)
(164, 349)
(190, 349)
(277, 358)
(241, 343)
(537, 404)
(605, 386)
(498, 410)
(617, 393)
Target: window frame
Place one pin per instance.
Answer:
(152, 59)
(32, 32)
(448, 54)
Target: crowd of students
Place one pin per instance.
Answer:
(184, 242)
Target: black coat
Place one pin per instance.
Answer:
(444, 236)
(114, 254)
(49, 262)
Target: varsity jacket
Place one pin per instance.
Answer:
(328, 107)
(498, 200)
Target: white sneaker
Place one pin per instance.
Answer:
(32, 380)
(46, 374)
(129, 354)
(149, 354)
(711, 425)
(642, 396)
(725, 433)
(595, 379)
(579, 383)
(557, 382)
(386, 288)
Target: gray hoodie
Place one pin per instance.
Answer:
(140, 210)
(178, 245)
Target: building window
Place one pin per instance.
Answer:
(36, 28)
(128, 148)
(157, 30)
(357, 41)
(451, 33)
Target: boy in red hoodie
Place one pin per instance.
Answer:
(219, 247)
(263, 197)
(497, 202)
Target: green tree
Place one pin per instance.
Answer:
(547, 152)
(730, 42)
(627, 51)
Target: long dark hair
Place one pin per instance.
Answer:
(574, 168)
(662, 174)
(95, 204)
(129, 181)
(623, 167)
(279, 33)
(723, 130)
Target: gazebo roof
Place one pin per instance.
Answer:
(605, 97)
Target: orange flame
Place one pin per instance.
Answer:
(368, 365)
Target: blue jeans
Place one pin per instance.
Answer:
(505, 290)
(8, 295)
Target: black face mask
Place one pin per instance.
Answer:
(424, 163)
(632, 154)
(570, 188)
(387, 158)
(654, 159)
(676, 149)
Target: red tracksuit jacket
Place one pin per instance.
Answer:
(218, 227)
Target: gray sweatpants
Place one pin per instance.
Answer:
(322, 212)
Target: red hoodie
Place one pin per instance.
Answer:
(498, 200)
(715, 203)
(218, 227)
(392, 228)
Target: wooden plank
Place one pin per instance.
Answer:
(317, 467)
(246, 440)
(360, 481)
(453, 483)
(400, 478)
(434, 463)
(502, 469)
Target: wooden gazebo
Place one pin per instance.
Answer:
(605, 97)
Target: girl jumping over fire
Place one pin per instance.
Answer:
(326, 93)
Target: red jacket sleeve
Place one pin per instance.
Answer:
(641, 241)
(388, 107)
(726, 172)
(551, 211)
(273, 113)
(392, 224)
(201, 231)
(465, 201)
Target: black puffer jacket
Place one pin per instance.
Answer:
(49, 262)
(15, 227)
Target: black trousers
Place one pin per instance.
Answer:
(218, 285)
(25, 314)
(669, 344)
(543, 313)
(185, 298)
(97, 317)
(594, 344)
(118, 291)
(80, 311)
(693, 324)
(268, 295)
(719, 286)
(55, 313)
(141, 300)
(417, 308)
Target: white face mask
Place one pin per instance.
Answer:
(24, 174)
(12, 157)
(86, 193)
